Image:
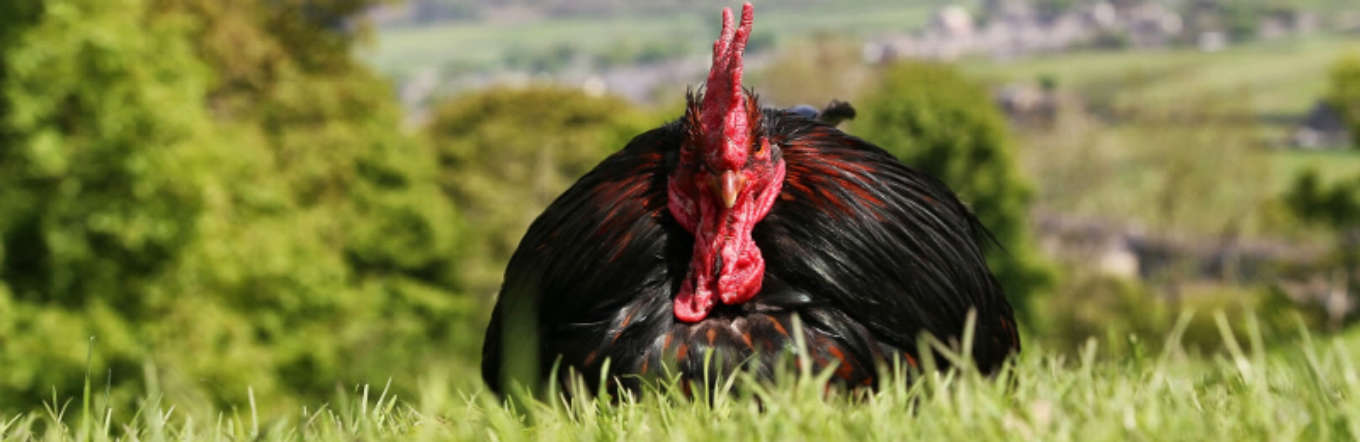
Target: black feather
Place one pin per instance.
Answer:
(836, 112)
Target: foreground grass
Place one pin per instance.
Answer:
(1307, 390)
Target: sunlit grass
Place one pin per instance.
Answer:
(1304, 391)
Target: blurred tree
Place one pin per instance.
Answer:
(331, 238)
(99, 191)
(1125, 314)
(814, 72)
(1242, 18)
(287, 78)
(1207, 149)
(940, 123)
(504, 154)
(219, 191)
(1338, 207)
(1343, 93)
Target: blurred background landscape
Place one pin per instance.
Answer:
(204, 199)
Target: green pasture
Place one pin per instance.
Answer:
(1268, 79)
(483, 45)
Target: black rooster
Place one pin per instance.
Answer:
(712, 232)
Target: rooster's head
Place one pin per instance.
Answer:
(727, 180)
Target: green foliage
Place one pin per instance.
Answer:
(1196, 145)
(1129, 315)
(814, 72)
(1343, 93)
(942, 124)
(329, 128)
(1338, 207)
(97, 185)
(221, 198)
(504, 154)
(1242, 18)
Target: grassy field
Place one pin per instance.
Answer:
(1189, 178)
(1140, 129)
(1280, 78)
(1331, 165)
(478, 45)
(1306, 390)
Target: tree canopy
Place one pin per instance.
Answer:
(218, 196)
(504, 155)
(945, 125)
(1343, 93)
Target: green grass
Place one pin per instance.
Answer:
(1332, 166)
(1269, 78)
(1304, 390)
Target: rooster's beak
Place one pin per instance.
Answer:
(729, 185)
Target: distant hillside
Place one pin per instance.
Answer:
(629, 50)
(439, 47)
(424, 12)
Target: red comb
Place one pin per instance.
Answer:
(723, 111)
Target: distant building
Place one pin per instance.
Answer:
(1212, 41)
(1131, 252)
(1152, 25)
(1007, 10)
(953, 21)
(1028, 105)
(1286, 22)
(1014, 28)
(1323, 128)
(1101, 15)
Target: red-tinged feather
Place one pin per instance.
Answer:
(831, 174)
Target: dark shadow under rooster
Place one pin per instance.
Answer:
(711, 233)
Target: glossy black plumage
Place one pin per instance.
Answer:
(866, 251)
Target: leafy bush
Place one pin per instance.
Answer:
(220, 200)
(814, 72)
(1128, 316)
(1343, 93)
(504, 154)
(938, 122)
(98, 186)
(1336, 206)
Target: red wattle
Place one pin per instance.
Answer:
(726, 265)
(691, 306)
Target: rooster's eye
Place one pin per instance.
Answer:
(760, 147)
